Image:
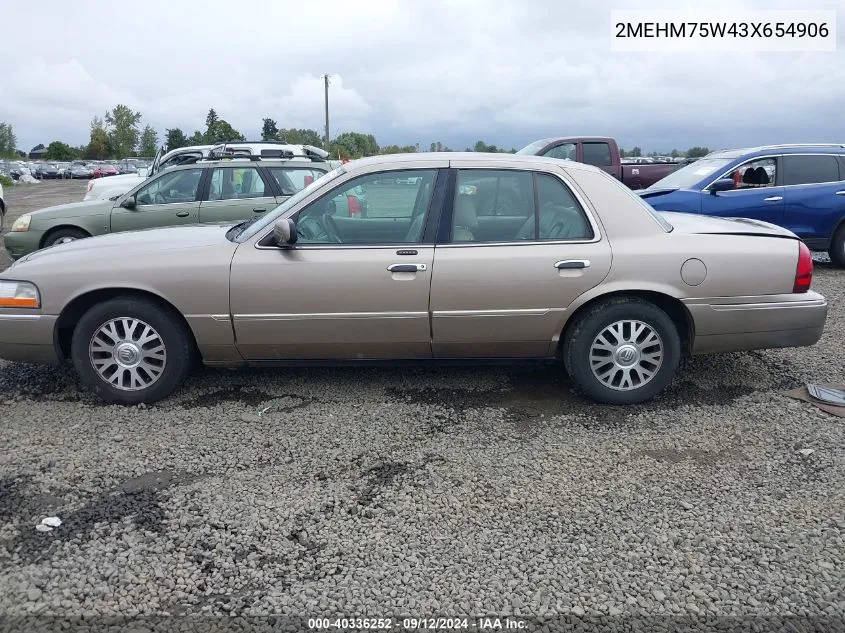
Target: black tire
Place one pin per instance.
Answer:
(588, 325)
(63, 235)
(837, 248)
(171, 330)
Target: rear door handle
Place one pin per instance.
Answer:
(259, 210)
(406, 268)
(183, 214)
(773, 199)
(568, 264)
(840, 193)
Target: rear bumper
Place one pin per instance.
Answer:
(746, 323)
(28, 338)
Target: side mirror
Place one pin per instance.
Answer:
(284, 232)
(129, 203)
(723, 184)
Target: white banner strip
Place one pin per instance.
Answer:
(720, 30)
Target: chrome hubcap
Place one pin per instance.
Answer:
(127, 353)
(65, 240)
(626, 355)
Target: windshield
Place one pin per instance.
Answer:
(533, 148)
(688, 176)
(268, 219)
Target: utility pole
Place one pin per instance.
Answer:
(326, 81)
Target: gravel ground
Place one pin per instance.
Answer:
(429, 492)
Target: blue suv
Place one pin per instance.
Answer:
(799, 187)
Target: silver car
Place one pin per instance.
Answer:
(574, 268)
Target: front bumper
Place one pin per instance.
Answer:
(746, 323)
(28, 338)
(22, 243)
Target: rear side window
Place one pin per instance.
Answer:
(232, 183)
(597, 154)
(514, 206)
(293, 179)
(805, 170)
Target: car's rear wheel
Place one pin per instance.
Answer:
(837, 248)
(63, 236)
(622, 351)
(130, 350)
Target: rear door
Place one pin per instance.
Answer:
(757, 195)
(813, 195)
(169, 199)
(237, 192)
(500, 289)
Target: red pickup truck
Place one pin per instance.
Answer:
(602, 152)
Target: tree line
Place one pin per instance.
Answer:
(118, 134)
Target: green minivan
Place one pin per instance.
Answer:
(228, 190)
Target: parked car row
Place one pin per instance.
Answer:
(575, 268)
(76, 169)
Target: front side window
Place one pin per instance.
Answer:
(597, 154)
(170, 188)
(564, 152)
(293, 179)
(806, 170)
(757, 173)
(553, 214)
(235, 183)
(370, 210)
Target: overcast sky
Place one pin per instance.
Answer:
(505, 71)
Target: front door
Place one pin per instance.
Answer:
(500, 289)
(756, 195)
(236, 193)
(351, 287)
(170, 199)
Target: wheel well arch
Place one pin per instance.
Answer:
(53, 229)
(73, 311)
(673, 307)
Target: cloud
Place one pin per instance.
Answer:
(449, 70)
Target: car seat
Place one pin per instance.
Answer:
(557, 222)
(762, 178)
(465, 222)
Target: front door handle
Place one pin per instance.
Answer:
(259, 210)
(773, 199)
(182, 214)
(840, 193)
(406, 268)
(568, 264)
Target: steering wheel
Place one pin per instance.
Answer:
(310, 229)
(159, 198)
(331, 229)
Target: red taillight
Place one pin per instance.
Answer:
(308, 180)
(804, 270)
(354, 206)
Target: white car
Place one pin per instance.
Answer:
(113, 186)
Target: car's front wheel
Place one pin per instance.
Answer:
(131, 350)
(622, 351)
(837, 248)
(63, 236)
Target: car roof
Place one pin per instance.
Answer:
(244, 161)
(798, 148)
(388, 160)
